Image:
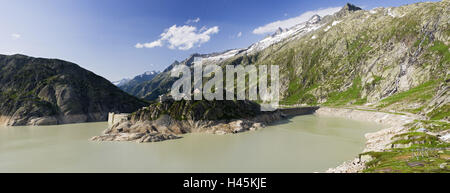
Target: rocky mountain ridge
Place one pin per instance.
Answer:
(39, 91)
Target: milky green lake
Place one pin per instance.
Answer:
(301, 144)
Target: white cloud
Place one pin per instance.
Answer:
(239, 34)
(287, 23)
(196, 20)
(157, 43)
(139, 45)
(15, 36)
(182, 37)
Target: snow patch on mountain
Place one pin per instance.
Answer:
(393, 13)
(121, 82)
(335, 23)
(150, 73)
(215, 58)
(332, 24)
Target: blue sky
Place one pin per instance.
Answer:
(109, 37)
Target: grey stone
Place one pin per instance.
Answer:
(422, 130)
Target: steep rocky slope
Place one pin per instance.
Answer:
(359, 57)
(38, 91)
(394, 58)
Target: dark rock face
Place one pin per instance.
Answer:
(314, 19)
(38, 91)
(348, 8)
(199, 110)
(351, 7)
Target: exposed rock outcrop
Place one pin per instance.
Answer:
(347, 9)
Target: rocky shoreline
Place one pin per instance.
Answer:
(51, 120)
(377, 141)
(4, 120)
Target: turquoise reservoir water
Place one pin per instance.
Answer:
(301, 144)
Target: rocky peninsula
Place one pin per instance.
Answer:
(170, 119)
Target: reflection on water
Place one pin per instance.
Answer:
(300, 144)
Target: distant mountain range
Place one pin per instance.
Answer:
(133, 86)
(146, 76)
(39, 91)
